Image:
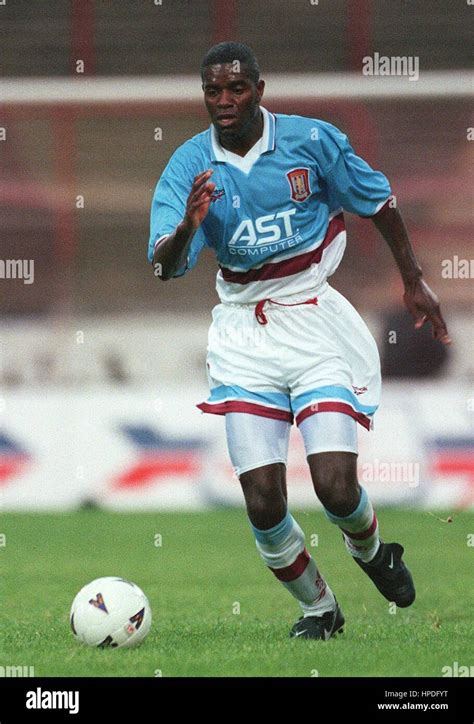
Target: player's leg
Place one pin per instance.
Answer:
(331, 447)
(258, 449)
(336, 381)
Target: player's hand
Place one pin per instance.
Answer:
(423, 305)
(199, 199)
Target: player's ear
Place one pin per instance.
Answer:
(260, 89)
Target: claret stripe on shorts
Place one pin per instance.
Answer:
(232, 398)
(277, 405)
(222, 408)
(332, 398)
(332, 406)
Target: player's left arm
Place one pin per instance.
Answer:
(421, 301)
(362, 190)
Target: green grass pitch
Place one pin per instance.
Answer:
(217, 610)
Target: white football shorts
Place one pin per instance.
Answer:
(291, 358)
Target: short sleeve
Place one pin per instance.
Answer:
(357, 186)
(168, 207)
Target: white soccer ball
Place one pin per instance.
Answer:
(110, 612)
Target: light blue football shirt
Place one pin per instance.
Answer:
(268, 216)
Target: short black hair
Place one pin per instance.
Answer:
(228, 52)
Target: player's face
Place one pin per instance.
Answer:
(232, 99)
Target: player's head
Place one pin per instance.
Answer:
(232, 53)
(232, 87)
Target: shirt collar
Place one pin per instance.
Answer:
(267, 139)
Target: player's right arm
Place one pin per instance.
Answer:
(171, 252)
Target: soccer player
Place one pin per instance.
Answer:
(267, 192)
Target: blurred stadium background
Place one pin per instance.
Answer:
(101, 363)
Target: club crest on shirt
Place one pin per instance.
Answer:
(298, 178)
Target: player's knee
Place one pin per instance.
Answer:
(335, 483)
(264, 498)
(261, 498)
(342, 498)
